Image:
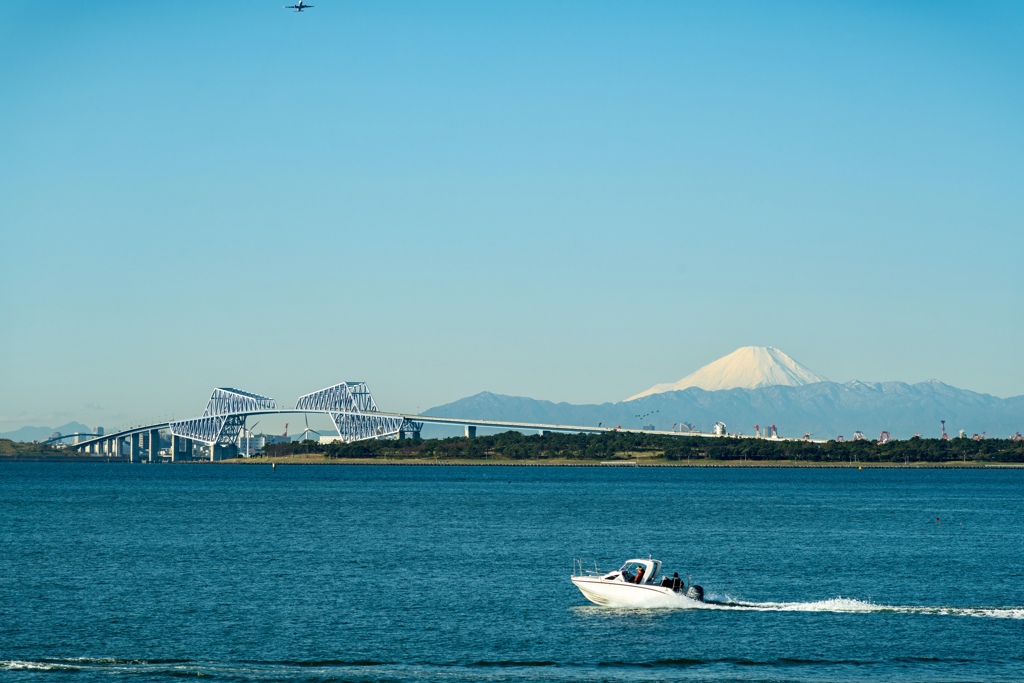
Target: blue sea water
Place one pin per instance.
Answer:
(377, 573)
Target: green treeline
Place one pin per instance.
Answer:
(8, 447)
(627, 446)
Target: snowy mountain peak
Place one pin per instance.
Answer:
(750, 367)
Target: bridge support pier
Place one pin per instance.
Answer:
(181, 448)
(134, 447)
(470, 431)
(223, 452)
(154, 445)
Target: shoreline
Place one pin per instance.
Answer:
(729, 464)
(653, 464)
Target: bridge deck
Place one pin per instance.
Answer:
(429, 419)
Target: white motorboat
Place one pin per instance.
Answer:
(635, 584)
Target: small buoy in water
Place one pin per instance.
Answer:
(860, 468)
(273, 465)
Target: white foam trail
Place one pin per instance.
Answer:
(835, 605)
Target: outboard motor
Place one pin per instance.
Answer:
(695, 592)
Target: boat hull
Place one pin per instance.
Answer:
(622, 594)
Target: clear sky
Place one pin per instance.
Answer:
(565, 200)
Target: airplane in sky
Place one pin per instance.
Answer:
(299, 7)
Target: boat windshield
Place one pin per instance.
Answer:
(630, 569)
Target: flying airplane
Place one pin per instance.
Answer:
(299, 7)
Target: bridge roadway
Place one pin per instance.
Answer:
(110, 444)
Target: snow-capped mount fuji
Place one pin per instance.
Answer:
(750, 367)
(763, 386)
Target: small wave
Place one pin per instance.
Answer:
(22, 665)
(686, 663)
(513, 663)
(678, 662)
(328, 663)
(658, 663)
(797, 661)
(175, 673)
(100, 661)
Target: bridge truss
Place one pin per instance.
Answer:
(349, 404)
(224, 417)
(352, 410)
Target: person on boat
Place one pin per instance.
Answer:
(639, 575)
(677, 583)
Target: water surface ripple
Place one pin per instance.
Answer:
(324, 573)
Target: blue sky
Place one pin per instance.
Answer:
(569, 200)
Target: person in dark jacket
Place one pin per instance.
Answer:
(677, 583)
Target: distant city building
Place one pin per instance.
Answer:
(254, 442)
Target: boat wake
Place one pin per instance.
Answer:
(851, 605)
(835, 605)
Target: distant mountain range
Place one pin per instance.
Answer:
(826, 409)
(43, 433)
(763, 386)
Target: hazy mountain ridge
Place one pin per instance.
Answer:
(43, 433)
(826, 409)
